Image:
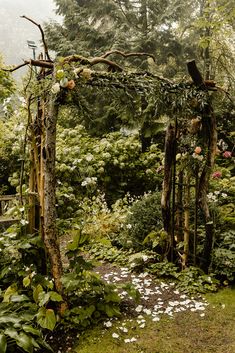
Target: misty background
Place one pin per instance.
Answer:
(15, 31)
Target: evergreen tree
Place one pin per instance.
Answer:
(93, 27)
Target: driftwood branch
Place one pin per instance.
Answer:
(42, 34)
(126, 55)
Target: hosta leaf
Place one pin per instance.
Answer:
(19, 298)
(31, 329)
(10, 319)
(12, 333)
(3, 343)
(24, 341)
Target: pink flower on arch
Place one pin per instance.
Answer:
(227, 154)
(217, 175)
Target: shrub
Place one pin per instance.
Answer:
(143, 219)
(223, 260)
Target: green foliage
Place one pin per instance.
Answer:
(104, 250)
(192, 280)
(223, 259)
(18, 330)
(164, 269)
(89, 297)
(105, 164)
(28, 298)
(7, 87)
(143, 219)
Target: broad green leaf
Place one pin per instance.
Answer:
(10, 319)
(3, 343)
(9, 292)
(55, 297)
(43, 298)
(12, 333)
(19, 298)
(24, 341)
(26, 281)
(78, 240)
(46, 318)
(37, 290)
(110, 310)
(31, 329)
(84, 313)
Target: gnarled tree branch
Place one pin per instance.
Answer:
(126, 55)
(92, 62)
(42, 34)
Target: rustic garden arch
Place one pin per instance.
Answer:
(180, 101)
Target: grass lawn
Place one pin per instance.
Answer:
(186, 332)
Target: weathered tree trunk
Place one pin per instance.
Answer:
(195, 219)
(210, 135)
(32, 195)
(48, 158)
(167, 181)
(203, 188)
(179, 208)
(185, 256)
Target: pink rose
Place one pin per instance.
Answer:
(227, 154)
(217, 175)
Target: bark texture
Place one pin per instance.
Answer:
(167, 181)
(211, 132)
(50, 234)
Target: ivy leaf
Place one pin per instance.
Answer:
(46, 318)
(3, 343)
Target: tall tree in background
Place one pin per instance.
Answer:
(93, 27)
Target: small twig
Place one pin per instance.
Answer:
(126, 55)
(16, 67)
(42, 34)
